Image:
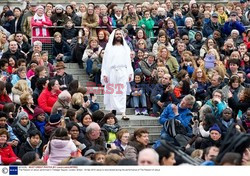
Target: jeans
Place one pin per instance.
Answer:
(66, 59)
(156, 107)
(140, 99)
(89, 66)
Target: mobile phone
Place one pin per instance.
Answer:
(85, 98)
(95, 49)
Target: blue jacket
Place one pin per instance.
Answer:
(229, 26)
(184, 116)
(15, 78)
(209, 28)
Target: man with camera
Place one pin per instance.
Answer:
(181, 113)
(161, 93)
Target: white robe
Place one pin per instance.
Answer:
(117, 67)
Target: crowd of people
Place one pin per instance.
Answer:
(191, 69)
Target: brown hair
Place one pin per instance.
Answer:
(120, 133)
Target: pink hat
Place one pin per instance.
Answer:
(39, 7)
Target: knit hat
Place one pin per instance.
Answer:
(37, 112)
(89, 151)
(55, 119)
(21, 114)
(39, 7)
(59, 6)
(215, 127)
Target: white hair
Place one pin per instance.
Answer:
(38, 43)
(189, 18)
(149, 152)
(64, 95)
(235, 31)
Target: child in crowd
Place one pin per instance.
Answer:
(69, 31)
(31, 71)
(110, 123)
(139, 95)
(59, 147)
(39, 120)
(99, 157)
(49, 67)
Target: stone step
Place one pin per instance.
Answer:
(129, 111)
(151, 129)
(141, 120)
(75, 71)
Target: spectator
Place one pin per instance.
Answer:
(61, 50)
(214, 138)
(6, 152)
(90, 20)
(39, 120)
(13, 51)
(59, 147)
(49, 96)
(147, 23)
(180, 112)
(62, 104)
(138, 142)
(69, 32)
(233, 23)
(59, 18)
(166, 157)
(217, 103)
(27, 104)
(122, 139)
(26, 20)
(23, 126)
(4, 98)
(61, 76)
(18, 89)
(72, 15)
(39, 24)
(33, 143)
(148, 157)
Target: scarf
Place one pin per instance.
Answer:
(26, 128)
(222, 18)
(118, 17)
(111, 128)
(40, 18)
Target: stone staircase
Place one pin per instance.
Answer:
(150, 123)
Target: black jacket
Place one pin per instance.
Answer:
(64, 80)
(18, 54)
(26, 147)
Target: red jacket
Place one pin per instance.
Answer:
(39, 25)
(46, 100)
(7, 154)
(4, 99)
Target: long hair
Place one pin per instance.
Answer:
(114, 40)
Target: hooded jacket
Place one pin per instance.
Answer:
(27, 147)
(59, 150)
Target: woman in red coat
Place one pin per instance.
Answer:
(39, 24)
(4, 98)
(7, 154)
(49, 96)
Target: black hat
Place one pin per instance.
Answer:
(9, 13)
(55, 119)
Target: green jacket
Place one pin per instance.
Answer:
(149, 24)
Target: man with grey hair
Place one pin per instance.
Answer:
(94, 139)
(62, 104)
(148, 157)
(181, 112)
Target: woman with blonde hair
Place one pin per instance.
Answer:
(37, 57)
(20, 88)
(168, 60)
(27, 104)
(79, 104)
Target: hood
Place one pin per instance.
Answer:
(57, 143)
(39, 144)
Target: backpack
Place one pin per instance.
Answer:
(174, 127)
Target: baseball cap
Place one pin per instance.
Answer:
(215, 15)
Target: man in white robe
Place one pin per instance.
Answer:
(116, 72)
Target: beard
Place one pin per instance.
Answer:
(118, 40)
